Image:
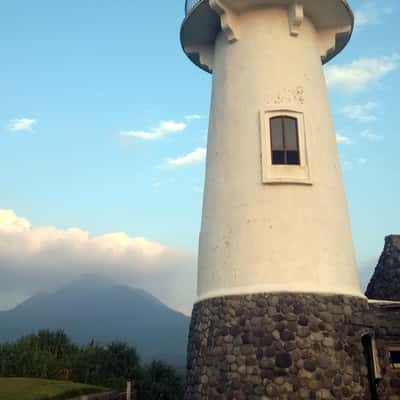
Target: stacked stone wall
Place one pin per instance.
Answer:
(278, 347)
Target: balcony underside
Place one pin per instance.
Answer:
(333, 19)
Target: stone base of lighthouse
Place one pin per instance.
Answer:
(277, 346)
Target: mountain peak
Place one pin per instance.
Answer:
(90, 281)
(94, 307)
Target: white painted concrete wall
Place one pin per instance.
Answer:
(258, 237)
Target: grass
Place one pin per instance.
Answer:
(39, 389)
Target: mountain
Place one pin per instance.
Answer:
(94, 308)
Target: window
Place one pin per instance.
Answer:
(395, 357)
(374, 369)
(284, 141)
(285, 156)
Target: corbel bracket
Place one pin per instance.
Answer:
(229, 20)
(296, 17)
(331, 39)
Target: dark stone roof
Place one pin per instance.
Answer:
(385, 283)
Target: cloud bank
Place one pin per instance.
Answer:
(372, 14)
(371, 136)
(196, 156)
(360, 73)
(361, 112)
(164, 128)
(35, 259)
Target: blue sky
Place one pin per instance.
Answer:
(103, 124)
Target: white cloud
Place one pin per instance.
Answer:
(371, 136)
(361, 18)
(157, 184)
(41, 258)
(370, 13)
(172, 126)
(360, 73)
(196, 156)
(11, 223)
(361, 112)
(198, 189)
(163, 129)
(193, 117)
(23, 124)
(347, 165)
(361, 161)
(355, 163)
(343, 139)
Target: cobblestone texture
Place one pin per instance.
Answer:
(278, 347)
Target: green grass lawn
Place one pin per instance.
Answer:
(39, 389)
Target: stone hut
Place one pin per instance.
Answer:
(385, 283)
(383, 317)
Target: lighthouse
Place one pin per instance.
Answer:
(278, 290)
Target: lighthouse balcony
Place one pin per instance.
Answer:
(204, 19)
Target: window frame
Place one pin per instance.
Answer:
(284, 173)
(285, 150)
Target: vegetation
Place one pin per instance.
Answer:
(156, 379)
(51, 355)
(40, 389)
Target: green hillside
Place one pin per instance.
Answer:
(39, 389)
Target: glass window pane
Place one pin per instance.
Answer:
(276, 133)
(291, 137)
(292, 158)
(278, 157)
(395, 357)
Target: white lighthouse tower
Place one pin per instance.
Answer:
(276, 271)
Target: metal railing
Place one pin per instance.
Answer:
(189, 4)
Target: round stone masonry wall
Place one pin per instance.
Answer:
(278, 347)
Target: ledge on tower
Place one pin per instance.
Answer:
(333, 19)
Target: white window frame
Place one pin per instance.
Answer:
(274, 173)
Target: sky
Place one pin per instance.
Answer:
(103, 134)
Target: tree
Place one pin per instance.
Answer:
(47, 353)
(160, 382)
(110, 366)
